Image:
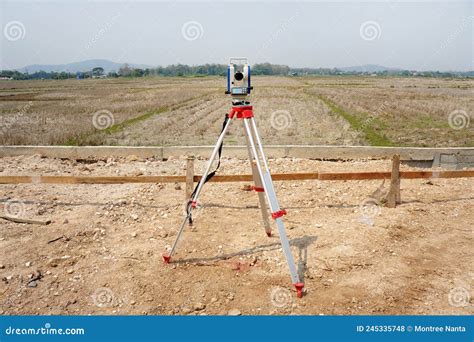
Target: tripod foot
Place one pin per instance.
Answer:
(269, 234)
(166, 258)
(299, 289)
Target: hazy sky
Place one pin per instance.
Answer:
(413, 35)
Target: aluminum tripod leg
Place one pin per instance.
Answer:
(166, 258)
(251, 130)
(257, 180)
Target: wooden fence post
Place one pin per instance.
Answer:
(394, 196)
(189, 178)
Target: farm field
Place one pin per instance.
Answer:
(102, 252)
(333, 110)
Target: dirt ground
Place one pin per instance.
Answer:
(102, 252)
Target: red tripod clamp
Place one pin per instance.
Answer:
(243, 112)
(257, 189)
(278, 214)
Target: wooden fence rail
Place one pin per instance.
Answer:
(334, 176)
(392, 200)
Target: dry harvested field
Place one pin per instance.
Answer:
(102, 252)
(189, 111)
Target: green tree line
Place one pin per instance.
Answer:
(183, 70)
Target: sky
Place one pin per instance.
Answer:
(421, 35)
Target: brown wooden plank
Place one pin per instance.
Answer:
(437, 174)
(353, 175)
(230, 178)
(89, 179)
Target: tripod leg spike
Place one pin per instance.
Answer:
(299, 289)
(166, 258)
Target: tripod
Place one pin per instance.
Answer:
(263, 185)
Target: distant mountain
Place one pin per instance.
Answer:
(80, 66)
(368, 68)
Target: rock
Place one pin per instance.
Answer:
(199, 306)
(32, 284)
(213, 299)
(53, 262)
(177, 186)
(186, 310)
(134, 217)
(131, 158)
(66, 221)
(2, 267)
(70, 271)
(234, 312)
(230, 296)
(134, 234)
(28, 264)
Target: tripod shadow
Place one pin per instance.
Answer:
(302, 243)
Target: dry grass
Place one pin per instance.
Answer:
(401, 111)
(186, 111)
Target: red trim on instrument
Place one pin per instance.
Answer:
(243, 112)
